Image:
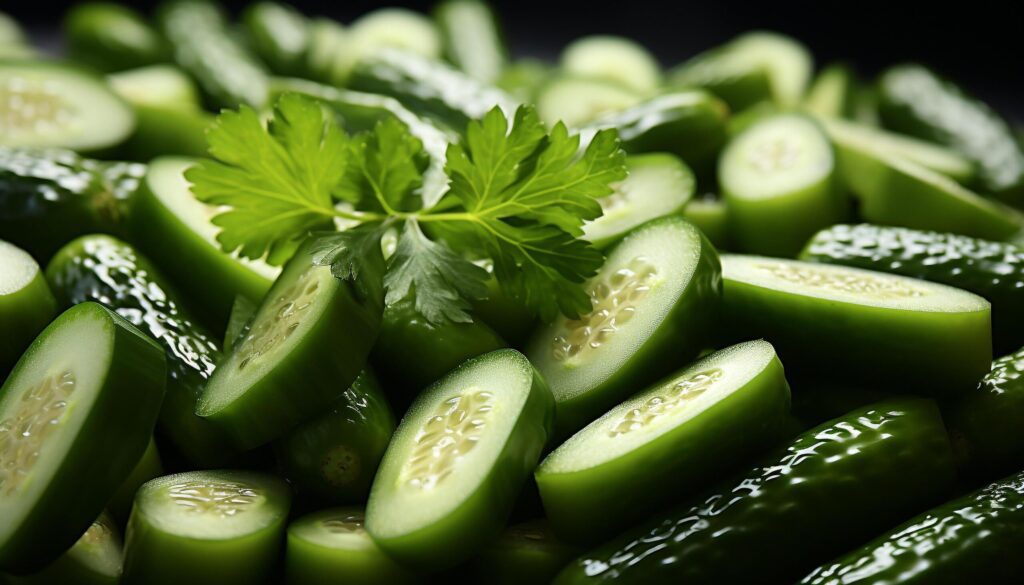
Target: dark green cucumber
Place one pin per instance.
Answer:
(831, 488)
(833, 93)
(524, 553)
(508, 316)
(472, 38)
(916, 101)
(106, 270)
(148, 467)
(76, 415)
(95, 559)
(333, 457)
(993, 270)
(279, 35)
(26, 303)
(111, 37)
(973, 539)
(204, 46)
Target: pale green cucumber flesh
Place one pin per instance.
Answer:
(617, 59)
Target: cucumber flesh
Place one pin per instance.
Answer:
(26, 303)
(238, 323)
(617, 59)
(327, 60)
(96, 558)
(658, 184)
(458, 460)
(576, 100)
(665, 441)
(472, 38)
(279, 34)
(161, 86)
(397, 29)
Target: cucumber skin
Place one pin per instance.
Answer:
(515, 559)
(95, 37)
(23, 314)
(52, 196)
(793, 510)
(711, 217)
(105, 270)
(69, 569)
(360, 421)
(915, 101)
(973, 539)
(115, 432)
(993, 270)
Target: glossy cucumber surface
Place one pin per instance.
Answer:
(26, 303)
(96, 558)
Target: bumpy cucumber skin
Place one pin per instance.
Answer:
(915, 101)
(111, 441)
(831, 488)
(52, 196)
(106, 270)
(479, 519)
(333, 457)
(993, 270)
(279, 34)
(973, 539)
(524, 553)
(112, 37)
(23, 314)
(591, 505)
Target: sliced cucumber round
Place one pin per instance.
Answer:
(26, 303)
(524, 553)
(653, 304)
(161, 86)
(206, 527)
(674, 437)
(306, 344)
(95, 559)
(174, 229)
(332, 546)
(658, 184)
(48, 105)
(778, 182)
(616, 59)
(75, 417)
(900, 334)
(577, 100)
(458, 460)
(710, 214)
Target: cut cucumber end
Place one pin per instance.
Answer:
(616, 59)
(18, 269)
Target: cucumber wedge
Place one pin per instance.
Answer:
(26, 303)
(667, 440)
(88, 390)
(524, 553)
(473, 40)
(897, 333)
(576, 100)
(653, 304)
(206, 528)
(95, 559)
(111, 37)
(458, 460)
(617, 59)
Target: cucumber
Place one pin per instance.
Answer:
(327, 56)
(753, 67)
(508, 316)
(94, 559)
(109, 271)
(993, 270)
(173, 228)
(665, 441)
(617, 59)
(158, 86)
(397, 28)
(833, 93)
(972, 539)
(915, 101)
(658, 184)
(654, 302)
(11, 32)
(832, 488)
(523, 78)
(87, 390)
(50, 105)
(332, 546)
(333, 456)
(306, 344)
(429, 88)
(897, 333)
(438, 498)
(527, 552)
(148, 467)
(815, 401)
(203, 46)
(710, 214)
(689, 124)
(163, 132)
(778, 182)
(26, 303)
(894, 190)
(472, 36)
(111, 37)
(865, 107)
(206, 528)
(279, 35)
(575, 100)
(238, 323)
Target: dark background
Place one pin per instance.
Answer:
(980, 44)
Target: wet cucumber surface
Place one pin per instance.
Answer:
(26, 303)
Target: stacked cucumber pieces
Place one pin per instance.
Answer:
(779, 365)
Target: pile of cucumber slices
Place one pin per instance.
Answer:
(801, 358)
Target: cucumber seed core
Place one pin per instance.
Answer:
(282, 320)
(447, 436)
(215, 498)
(37, 415)
(29, 106)
(842, 281)
(678, 395)
(345, 523)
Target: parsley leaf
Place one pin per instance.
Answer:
(385, 169)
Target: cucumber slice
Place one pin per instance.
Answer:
(833, 93)
(332, 546)
(148, 467)
(88, 390)
(174, 229)
(472, 38)
(778, 183)
(667, 440)
(524, 553)
(95, 559)
(326, 58)
(616, 59)
(206, 527)
(657, 185)
(26, 303)
(709, 213)
(48, 105)
(162, 86)
(280, 36)
(458, 460)
(576, 100)
(654, 301)
(307, 342)
(523, 78)
(334, 456)
(111, 37)
(916, 336)
(238, 323)
(397, 28)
